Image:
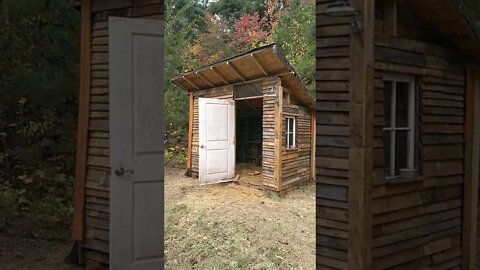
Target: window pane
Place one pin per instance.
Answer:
(402, 104)
(401, 151)
(291, 125)
(387, 105)
(290, 137)
(387, 150)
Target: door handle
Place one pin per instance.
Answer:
(121, 171)
(203, 146)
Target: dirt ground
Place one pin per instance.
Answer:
(227, 226)
(23, 253)
(224, 226)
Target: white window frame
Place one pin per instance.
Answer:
(287, 133)
(411, 123)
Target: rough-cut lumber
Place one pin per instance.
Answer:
(472, 153)
(83, 118)
(361, 135)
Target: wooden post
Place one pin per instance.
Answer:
(472, 154)
(190, 134)
(312, 146)
(277, 167)
(83, 117)
(361, 136)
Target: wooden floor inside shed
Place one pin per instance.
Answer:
(250, 174)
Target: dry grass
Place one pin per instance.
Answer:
(228, 226)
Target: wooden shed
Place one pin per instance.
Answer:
(398, 135)
(251, 120)
(118, 214)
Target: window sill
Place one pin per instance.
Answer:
(398, 180)
(290, 149)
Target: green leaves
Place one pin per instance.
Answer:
(295, 35)
(39, 54)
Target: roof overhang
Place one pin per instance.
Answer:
(252, 65)
(452, 20)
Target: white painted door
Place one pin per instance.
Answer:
(136, 143)
(216, 140)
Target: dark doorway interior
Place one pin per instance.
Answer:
(249, 131)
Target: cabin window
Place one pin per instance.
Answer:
(290, 132)
(398, 132)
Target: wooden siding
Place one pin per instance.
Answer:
(417, 223)
(224, 92)
(95, 242)
(296, 162)
(268, 136)
(332, 139)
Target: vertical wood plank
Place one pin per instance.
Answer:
(278, 136)
(312, 145)
(83, 118)
(472, 152)
(190, 134)
(361, 134)
(391, 18)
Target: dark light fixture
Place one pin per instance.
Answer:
(340, 8)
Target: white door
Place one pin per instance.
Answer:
(216, 140)
(136, 143)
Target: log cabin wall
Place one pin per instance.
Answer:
(224, 92)
(296, 162)
(268, 137)
(417, 223)
(332, 138)
(95, 244)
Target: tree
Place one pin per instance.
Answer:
(211, 45)
(39, 56)
(250, 31)
(232, 10)
(295, 35)
(180, 32)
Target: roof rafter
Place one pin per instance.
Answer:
(236, 71)
(258, 64)
(205, 79)
(191, 83)
(219, 75)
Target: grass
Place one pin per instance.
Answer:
(227, 226)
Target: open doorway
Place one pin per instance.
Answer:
(249, 119)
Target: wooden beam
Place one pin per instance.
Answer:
(391, 18)
(472, 154)
(361, 139)
(219, 75)
(83, 119)
(313, 139)
(278, 120)
(247, 98)
(205, 79)
(236, 71)
(191, 83)
(258, 64)
(190, 134)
